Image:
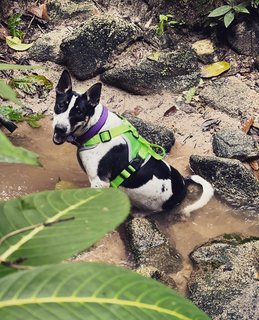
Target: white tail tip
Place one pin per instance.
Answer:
(207, 194)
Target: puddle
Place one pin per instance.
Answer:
(59, 162)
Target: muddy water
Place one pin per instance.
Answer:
(59, 162)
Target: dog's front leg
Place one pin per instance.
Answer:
(98, 183)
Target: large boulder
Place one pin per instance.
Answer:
(230, 95)
(150, 246)
(232, 181)
(152, 132)
(174, 71)
(87, 50)
(224, 282)
(71, 11)
(243, 37)
(47, 47)
(232, 143)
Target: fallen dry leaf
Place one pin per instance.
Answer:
(247, 124)
(254, 164)
(3, 32)
(170, 111)
(39, 11)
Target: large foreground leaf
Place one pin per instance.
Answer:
(6, 92)
(91, 292)
(12, 154)
(8, 66)
(48, 227)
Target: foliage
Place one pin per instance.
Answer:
(6, 92)
(68, 220)
(165, 19)
(13, 24)
(190, 94)
(50, 226)
(17, 115)
(90, 291)
(16, 44)
(11, 113)
(33, 119)
(31, 84)
(214, 69)
(10, 153)
(7, 66)
(15, 41)
(227, 13)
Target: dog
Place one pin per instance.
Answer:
(112, 153)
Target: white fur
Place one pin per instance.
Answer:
(62, 119)
(207, 193)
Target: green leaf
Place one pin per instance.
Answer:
(16, 44)
(13, 22)
(11, 114)
(228, 18)
(11, 154)
(220, 11)
(33, 119)
(51, 226)
(189, 94)
(7, 66)
(30, 84)
(6, 92)
(241, 8)
(214, 69)
(155, 56)
(90, 291)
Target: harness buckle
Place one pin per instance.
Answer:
(105, 136)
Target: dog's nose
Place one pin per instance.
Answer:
(60, 129)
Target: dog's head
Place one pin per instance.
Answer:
(72, 111)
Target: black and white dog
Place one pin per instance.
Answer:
(150, 182)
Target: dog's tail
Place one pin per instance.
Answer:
(207, 193)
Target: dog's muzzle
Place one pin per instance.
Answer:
(60, 135)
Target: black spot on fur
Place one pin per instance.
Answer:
(111, 165)
(178, 188)
(152, 168)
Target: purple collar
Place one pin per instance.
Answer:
(90, 132)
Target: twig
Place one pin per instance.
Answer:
(47, 224)
(29, 26)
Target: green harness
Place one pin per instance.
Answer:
(141, 149)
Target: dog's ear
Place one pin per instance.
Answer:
(64, 83)
(93, 94)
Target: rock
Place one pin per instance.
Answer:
(244, 37)
(230, 95)
(47, 47)
(153, 133)
(232, 181)
(224, 282)
(232, 143)
(173, 71)
(150, 247)
(154, 273)
(88, 49)
(204, 50)
(68, 10)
